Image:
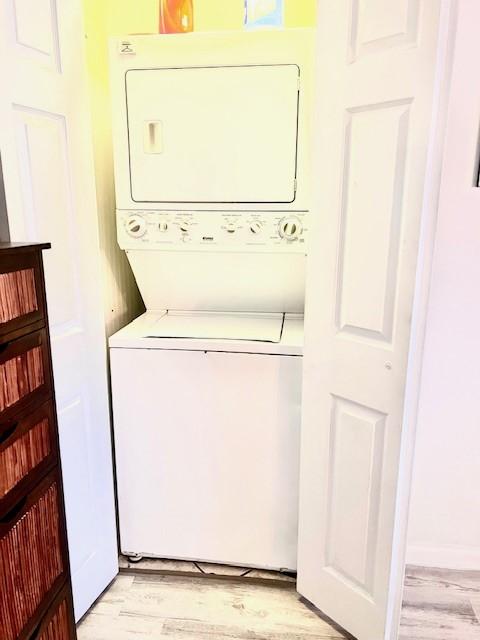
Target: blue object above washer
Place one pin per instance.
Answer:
(263, 14)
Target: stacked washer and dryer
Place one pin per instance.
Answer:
(211, 139)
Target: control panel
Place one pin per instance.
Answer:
(213, 230)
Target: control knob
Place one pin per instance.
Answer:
(163, 226)
(256, 227)
(290, 228)
(184, 226)
(136, 226)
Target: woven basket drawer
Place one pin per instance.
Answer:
(21, 293)
(32, 556)
(27, 448)
(24, 373)
(58, 623)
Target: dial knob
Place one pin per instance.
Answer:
(231, 227)
(163, 226)
(184, 226)
(136, 226)
(256, 227)
(290, 228)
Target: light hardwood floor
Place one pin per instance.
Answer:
(438, 605)
(441, 605)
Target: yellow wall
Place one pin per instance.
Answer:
(105, 18)
(122, 301)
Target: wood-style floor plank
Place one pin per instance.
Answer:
(438, 605)
(258, 608)
(451, 581)
(186, 608)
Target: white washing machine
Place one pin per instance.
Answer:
(207, 437)
(211, 166)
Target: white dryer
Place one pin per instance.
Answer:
(211, 137)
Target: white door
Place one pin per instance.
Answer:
(49, 182)
(376, 67)
(183, 147)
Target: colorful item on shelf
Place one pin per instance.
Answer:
(263, 13)
(176, 16)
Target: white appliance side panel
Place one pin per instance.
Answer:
(198, 281)
(213, 134)
(207, 448)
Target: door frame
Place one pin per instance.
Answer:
(426, 249)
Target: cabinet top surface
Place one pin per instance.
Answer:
(7, 247)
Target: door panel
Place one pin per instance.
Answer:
(376, 66)
(377, 25)
(371, 216)
(49, 183)
(42, 146)
(36, 32)
(356, 457)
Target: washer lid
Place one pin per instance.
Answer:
(263, 327)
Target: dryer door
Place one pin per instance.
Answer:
(213, 134)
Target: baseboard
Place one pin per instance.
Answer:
(444, 557)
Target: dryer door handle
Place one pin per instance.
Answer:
(153, 137)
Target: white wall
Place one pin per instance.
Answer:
(445, 510)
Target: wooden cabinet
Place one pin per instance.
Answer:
(28, 447)
(24, 372)
(35, 587)
(22, 291)
(58, 623)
